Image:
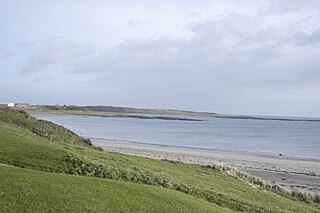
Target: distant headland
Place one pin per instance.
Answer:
(140, 113)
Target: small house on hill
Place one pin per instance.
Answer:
(11, 105)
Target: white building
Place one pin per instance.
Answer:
(11, 105)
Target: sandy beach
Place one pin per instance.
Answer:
(293, 173)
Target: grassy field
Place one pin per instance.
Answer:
(58, 169)
(24, 190)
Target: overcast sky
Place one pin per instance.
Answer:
(259, 57)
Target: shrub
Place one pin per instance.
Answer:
(87, 141)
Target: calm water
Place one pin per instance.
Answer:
(291, 138)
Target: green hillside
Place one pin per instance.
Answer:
(58, 169)
(24, 190)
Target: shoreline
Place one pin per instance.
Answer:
(290, 172)
(261, 154)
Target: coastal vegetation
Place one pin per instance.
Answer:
(45, 167)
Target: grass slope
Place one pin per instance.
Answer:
(21, 147)
(41, 128)
(24, 190)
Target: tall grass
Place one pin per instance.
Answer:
(79, 167)
(258, 182)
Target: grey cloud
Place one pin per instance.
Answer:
(232, 59)
(308, 39)
(284, 6)
(56, 51)
(236, 49)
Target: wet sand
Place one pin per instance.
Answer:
(293, 173)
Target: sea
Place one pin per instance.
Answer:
(292, 138)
